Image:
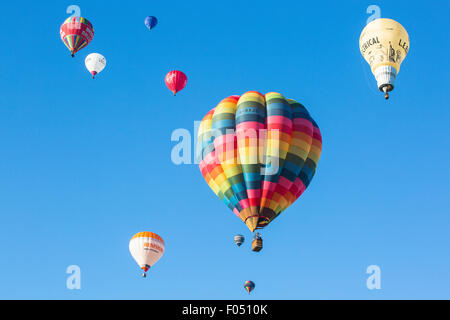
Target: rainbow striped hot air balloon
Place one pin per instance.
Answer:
(258, 154)
(76, 33)
(249, 286)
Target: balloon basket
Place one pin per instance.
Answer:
(257, 245)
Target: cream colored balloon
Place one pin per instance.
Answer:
(384, 43)
(95, 63)
(146, 248)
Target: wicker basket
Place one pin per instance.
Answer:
(257, 245)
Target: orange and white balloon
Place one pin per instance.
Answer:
(146, 248)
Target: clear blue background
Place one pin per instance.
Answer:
(85, 164)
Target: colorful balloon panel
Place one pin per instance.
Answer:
(76, 33)
(210, 166)
(259, 153)
(299, 148)
(225, 144)
(279, 131)
(250, 122)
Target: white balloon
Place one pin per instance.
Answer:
(146, 248)
(95, 63)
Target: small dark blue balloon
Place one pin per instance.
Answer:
(150, 22)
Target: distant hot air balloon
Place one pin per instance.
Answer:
(175, 81)
(95, 63)
(239, 239)
(249, 286)
(76, 33)
(259, 153)
(384, 43)
(150, 22)
(146, 248)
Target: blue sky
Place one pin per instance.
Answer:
(85, 164)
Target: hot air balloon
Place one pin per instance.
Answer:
(146, 248)
(239, 239)
(175, 81)
(249, 286)
(384, 43)
(150, 22)
(95, 63)
(258, 153)
(76, 33)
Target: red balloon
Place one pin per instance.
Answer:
(76, 33)
(176, 81)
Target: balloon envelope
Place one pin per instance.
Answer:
(249, 286)
(384, 42)
(76, 33)
(146, 248)
(95, 63)
(175, 81)
(150, 22)
(258, 153)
